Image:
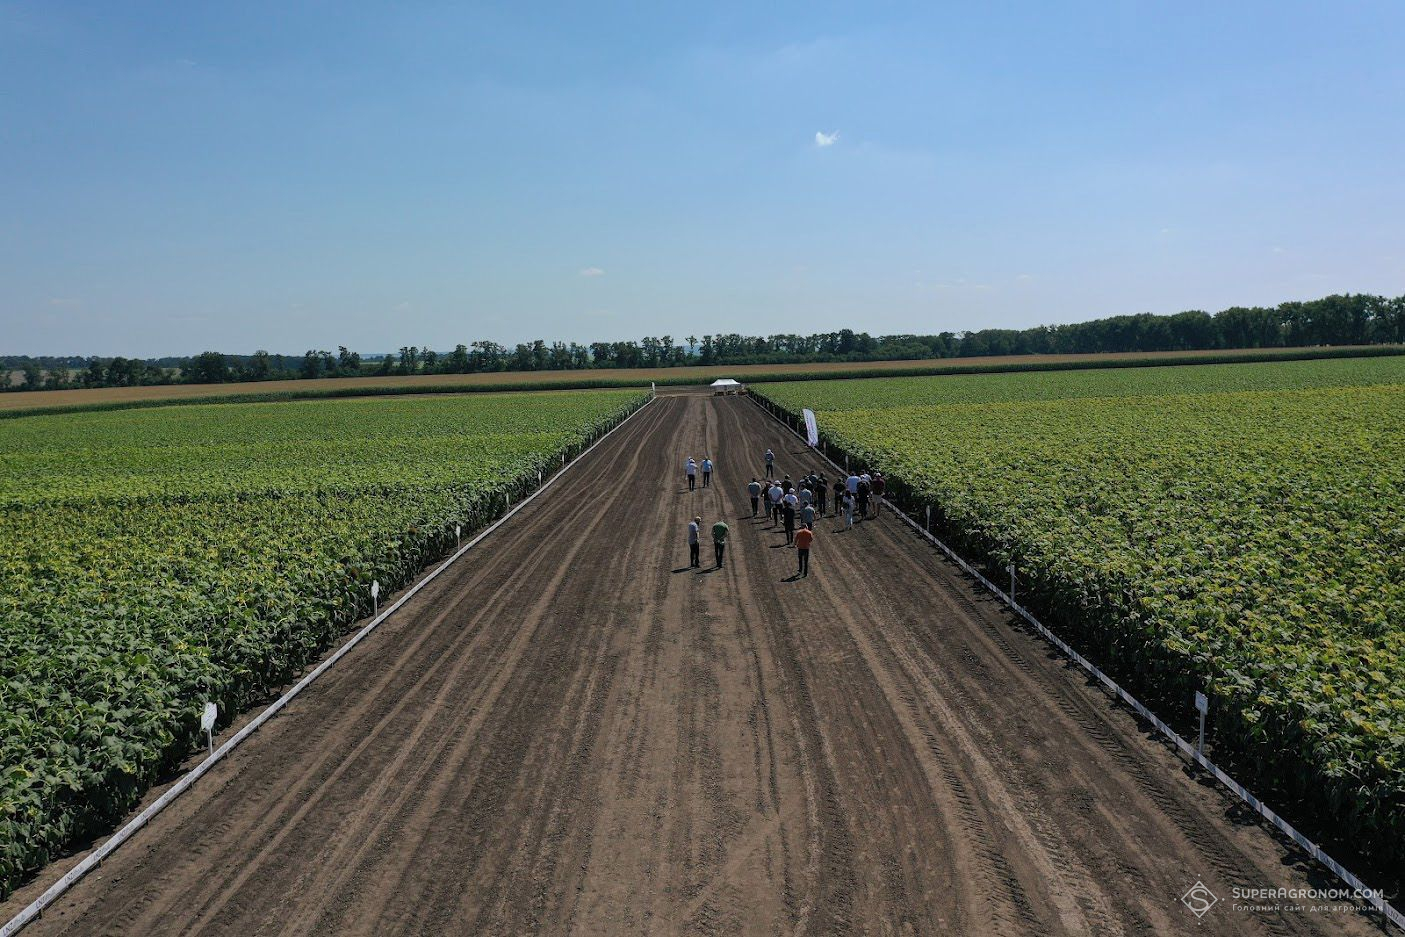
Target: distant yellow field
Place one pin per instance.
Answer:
(640, 376)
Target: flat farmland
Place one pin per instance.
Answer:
(632, 377)
(571, 731)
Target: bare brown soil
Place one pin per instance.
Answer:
(570, 731)
(638, 376)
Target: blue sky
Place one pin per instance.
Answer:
(284, 176)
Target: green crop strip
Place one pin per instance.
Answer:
(151, 560)
(1233, 528)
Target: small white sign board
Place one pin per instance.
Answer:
(1202, 705)
(207, 724)
(375, 588)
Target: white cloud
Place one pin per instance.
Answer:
(592, 272)
(826, 139)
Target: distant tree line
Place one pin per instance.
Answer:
(1358, 319)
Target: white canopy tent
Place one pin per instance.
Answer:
(725, 385)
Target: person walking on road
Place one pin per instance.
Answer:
(838, 496)
(807, 516)
(719, 540)
(707, 471)
(803, 538)
(851, 484)
(879, 486)
(770, 464)
(849, 500)
(775, 494)
(788, 513)
(865, 489)
(694, 530)
(753, 491)
(691, 469)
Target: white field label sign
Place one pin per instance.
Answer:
(207, 724)
(812, 430)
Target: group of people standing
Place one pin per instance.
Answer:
(860, 495)
(719, 541)
(690, 468)
(854, 495)
(791, 504)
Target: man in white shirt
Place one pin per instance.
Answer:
(775, 494)
(707, 471)
(691, 468)
(851, 484)
(693, 528)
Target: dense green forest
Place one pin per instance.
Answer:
(1358, 319)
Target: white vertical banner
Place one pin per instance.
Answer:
(812, 430)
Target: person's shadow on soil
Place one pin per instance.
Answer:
(794, 578)
(710, 569)
(682, 569)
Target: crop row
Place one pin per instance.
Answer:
(1249, 544)
(129, 398)
(153, 560)
(883, 393)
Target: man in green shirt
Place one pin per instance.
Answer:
(719, 539)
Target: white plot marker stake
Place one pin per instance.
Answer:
(458, 534)
(376, 596)
(207, 724)
(1201, 704)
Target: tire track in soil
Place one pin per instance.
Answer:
(571, 732)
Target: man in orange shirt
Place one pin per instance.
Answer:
(803, 538)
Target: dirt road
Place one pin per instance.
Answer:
(572, 732)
